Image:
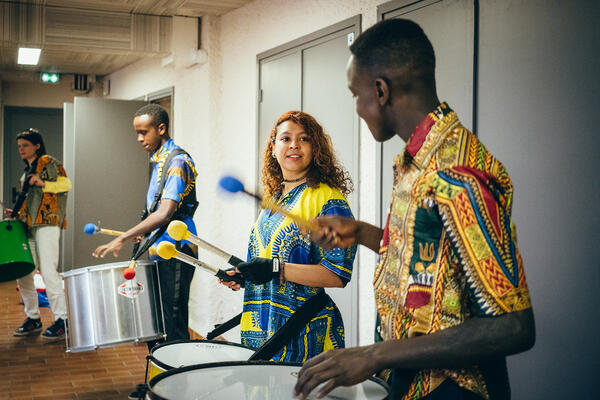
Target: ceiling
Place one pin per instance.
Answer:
(94, 37)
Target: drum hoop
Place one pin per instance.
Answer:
(102, 267)
(167, 374)
(168, 367)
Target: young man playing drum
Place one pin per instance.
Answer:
(44, 212)
(176, 200)
(451, 294)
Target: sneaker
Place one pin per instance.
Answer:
(56, 331)
(29, 327)
(140, 392)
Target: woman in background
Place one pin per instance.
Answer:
(44, 212)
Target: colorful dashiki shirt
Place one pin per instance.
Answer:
(42, 207)
(180, 181)
(267, 307)
(449, 250)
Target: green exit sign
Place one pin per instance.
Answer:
(49, 77)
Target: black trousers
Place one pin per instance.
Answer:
(175, 278)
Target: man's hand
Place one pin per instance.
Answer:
(335, 232)
(113, 246)
(35, 180)
(338, 367)
(7, 213)
(258, 270)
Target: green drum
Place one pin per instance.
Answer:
(15, 256)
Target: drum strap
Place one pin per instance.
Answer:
(224, 327)
(24, 189)
(292, 327)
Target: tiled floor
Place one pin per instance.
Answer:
(32, 369)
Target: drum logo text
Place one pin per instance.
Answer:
(130, 289)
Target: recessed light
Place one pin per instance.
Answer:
(29, 56)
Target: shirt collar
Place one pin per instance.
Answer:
(423, 138)
(162, 151)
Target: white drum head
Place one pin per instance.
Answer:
(175, 355)
(248, 381)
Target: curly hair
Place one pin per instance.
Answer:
(324, 167)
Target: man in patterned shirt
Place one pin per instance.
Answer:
(451, 294)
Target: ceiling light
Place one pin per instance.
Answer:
(29, 56)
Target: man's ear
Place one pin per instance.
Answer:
(382, 91)
(162, 129)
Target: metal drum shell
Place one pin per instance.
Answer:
(99, 316)
(200, 351)
(279, 387)
(16, 260)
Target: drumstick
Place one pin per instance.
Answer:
(167, 251)
(178, 230)
(92, 229)
(233, 185)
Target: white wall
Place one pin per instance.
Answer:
(537, 109)
(215, 120)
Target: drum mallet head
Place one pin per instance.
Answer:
(178, 230)
(90, 229)
(129, 272)
(231, 184)
(234, 185)
(166, 250)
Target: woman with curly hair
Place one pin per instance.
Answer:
(285, 270)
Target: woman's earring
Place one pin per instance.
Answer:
(273, 154)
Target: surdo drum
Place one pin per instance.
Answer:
(104, 309)
(16, 260)
(168, 356)
(248, 380)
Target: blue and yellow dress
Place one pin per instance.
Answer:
(267, 307)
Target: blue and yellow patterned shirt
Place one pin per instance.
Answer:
(267, 307)
(180, 181)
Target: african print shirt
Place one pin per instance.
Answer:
(43, 207)
(448, 251)
(267, 307)
(180, 181)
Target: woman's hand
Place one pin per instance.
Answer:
(231, 284)
(35, 180)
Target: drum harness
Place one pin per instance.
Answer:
(182, 212)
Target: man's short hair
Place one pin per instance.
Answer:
(158, 114)
(394, 44)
